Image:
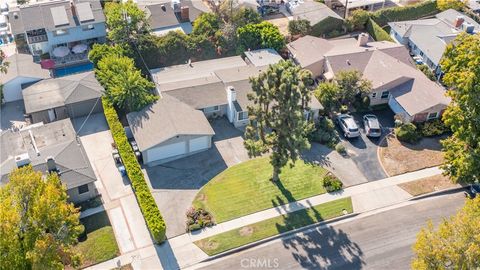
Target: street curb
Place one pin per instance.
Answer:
(268, 239)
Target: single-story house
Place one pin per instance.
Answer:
(59, 98)
(167, 16)
(169, 129)
(428, 38)
(50, 147)
(308, 52)
(321, 18)
(191, 94)
(395, 79)
(22, 72)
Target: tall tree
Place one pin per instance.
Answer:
(259, 36)
(277, 122)
(38, 226)
(124, 84)
(101, 50)
(461, 64)
(206, 24)
(454, 245)
(125, 21)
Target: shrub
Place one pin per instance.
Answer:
(426, 70)
(361, 103)
(358, 18)
(332, 183)
(377, 32)
(344, 109)
(325, 132)
(299, 27)
(433, 128)
(340, 148)
(198, 218)
(259, 36)
(329, 27)
(407, 133)
(153, 218)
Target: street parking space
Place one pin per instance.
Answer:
(363, 149)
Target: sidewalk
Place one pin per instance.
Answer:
(365, 197)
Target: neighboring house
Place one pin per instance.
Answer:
(474, 5)
(22, 72)
(308, 52)
(53, 147)
(355, 4)
(66, 97)
(173, 15)
(321, 18)
(198, 91)
(395, 80)
(428, 38)
(45, 26)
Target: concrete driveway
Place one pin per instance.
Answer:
(363, 150)
(12, 115)
(175, 184)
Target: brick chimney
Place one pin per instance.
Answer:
(459, 21)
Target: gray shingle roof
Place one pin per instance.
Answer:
(308, 50)
(161, 15)
(58, 92)
(22, 65)
(314, 12)
(57, 140)
(166, 118)
(431, 36)
(44, 15)
(200, 96)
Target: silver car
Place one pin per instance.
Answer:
(372, 126)
(348, 126)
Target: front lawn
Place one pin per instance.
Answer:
(270, 227)
(98, 244)
(246, 188)
(400, 157)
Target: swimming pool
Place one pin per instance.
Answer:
(69, 70)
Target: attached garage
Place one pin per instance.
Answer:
(169, 129)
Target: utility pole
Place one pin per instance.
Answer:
(346, 9)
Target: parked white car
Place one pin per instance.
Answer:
(348, 126)
(4, 8)
(3, 25)
(372, 126)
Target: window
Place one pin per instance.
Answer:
(211, 109)
(88, 27)
(60, 32)
(432, 115)
(83, 189)
(306, 114)
(242, 116)
(421, 53)
(374, 95)
(385, 94)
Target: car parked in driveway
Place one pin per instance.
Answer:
(348, 126)
(473, 191)
(372, 126)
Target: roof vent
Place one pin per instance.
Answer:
(468, 27)
(22, 160)
(363, 39)
(163, 7)
(15, 15)
(348, 62)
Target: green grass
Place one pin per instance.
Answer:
(246, 188)
(98, 243)
(270, 227)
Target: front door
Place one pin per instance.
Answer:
(52, 115)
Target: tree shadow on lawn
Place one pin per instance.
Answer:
(425, 143)
(322, 248)
(317, 155)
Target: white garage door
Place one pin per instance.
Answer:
(166, 151)
(199, 143)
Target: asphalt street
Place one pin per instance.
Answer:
(380, 241)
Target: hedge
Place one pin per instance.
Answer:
(412, 12)
(329, 27)
(377, 32)
(149, 208)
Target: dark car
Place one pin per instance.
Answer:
(473, 191)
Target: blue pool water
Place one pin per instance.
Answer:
(64, 71)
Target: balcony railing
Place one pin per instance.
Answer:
(37, 39)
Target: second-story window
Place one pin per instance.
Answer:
(88, 27)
